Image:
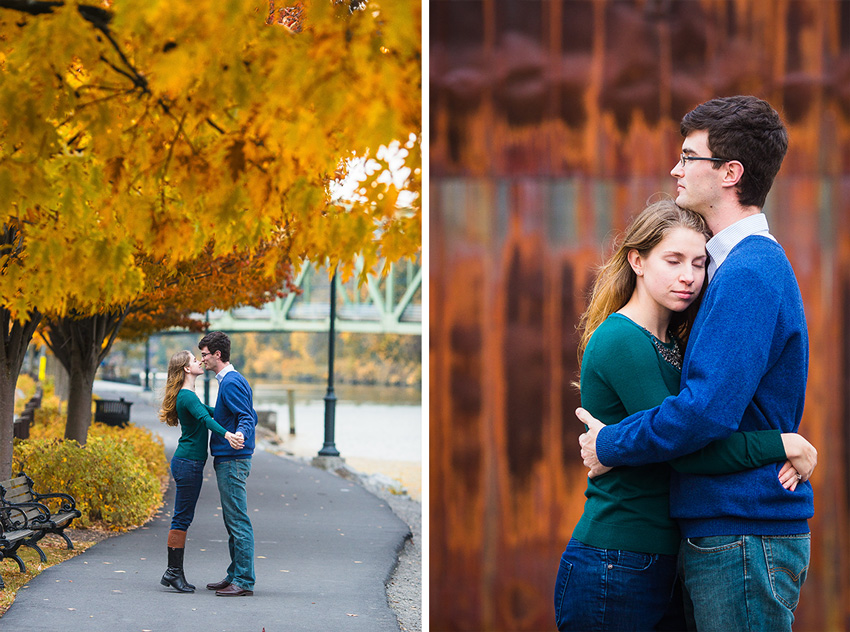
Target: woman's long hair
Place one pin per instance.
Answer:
(615, 281)
(173, 384)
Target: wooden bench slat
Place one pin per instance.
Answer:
(31, 513)
(15, 535)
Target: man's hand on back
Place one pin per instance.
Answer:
(587, 441)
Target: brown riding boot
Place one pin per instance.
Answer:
(174, 576)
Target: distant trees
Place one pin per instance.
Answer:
(391, 359)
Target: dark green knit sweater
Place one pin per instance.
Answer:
(194, 418)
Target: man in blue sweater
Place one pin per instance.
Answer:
(746, 541)
(234, 410)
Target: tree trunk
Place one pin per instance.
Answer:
(81, 344)
(7, 421)
(79, 404)
(16, 339)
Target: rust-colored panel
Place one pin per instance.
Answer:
(550, 127)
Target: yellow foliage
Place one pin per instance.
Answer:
(110, 483)
(116, 479)
(179, 124)
(25, 385)
(50, 425)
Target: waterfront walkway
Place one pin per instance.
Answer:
(324, 549)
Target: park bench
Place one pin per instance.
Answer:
(12, 538)
(34, 514)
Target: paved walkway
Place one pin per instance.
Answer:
(324, 549)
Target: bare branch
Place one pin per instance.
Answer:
(98, 16)
(118, 70)
(27, 6)
(171, 146)
(214, 126)
(136, 77)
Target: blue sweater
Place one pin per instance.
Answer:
(234, 410)
(745, 369)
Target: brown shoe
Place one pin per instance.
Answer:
(233, 591)
(219, 585)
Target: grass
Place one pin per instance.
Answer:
(55, 550)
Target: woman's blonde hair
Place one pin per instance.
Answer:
(615, 281)
(173, 384)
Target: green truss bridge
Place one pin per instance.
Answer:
(390, 304)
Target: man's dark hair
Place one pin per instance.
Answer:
(217, 341)
(746, 129)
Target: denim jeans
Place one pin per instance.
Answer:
(745, 582)
(602, 589)
(232, 477)
(188, 477)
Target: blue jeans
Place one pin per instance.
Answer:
(232, 477)
(602, 589)
(188, 477)
(747, 582)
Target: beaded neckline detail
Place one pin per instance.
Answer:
(672, 354)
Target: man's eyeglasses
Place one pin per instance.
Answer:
(204, 354)
(684, 159)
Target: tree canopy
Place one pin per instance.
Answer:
(165, 128)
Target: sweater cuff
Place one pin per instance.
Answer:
(604, 449)
(769, 446)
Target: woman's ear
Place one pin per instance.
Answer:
(635, 261)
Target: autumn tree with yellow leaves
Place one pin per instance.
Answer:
(171, 297)
(148, 131)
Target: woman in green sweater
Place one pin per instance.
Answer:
(181, 405)
(618, 571)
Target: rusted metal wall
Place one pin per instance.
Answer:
(552, 122)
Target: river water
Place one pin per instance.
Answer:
(377, 429)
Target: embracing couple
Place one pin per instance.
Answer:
(233, 423)
(694, 357)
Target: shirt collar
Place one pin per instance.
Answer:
(722, 243)
(220, 375)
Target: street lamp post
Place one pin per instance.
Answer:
(148, 364)
(329, 447)
(207, 373)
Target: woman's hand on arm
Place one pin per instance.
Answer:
(802, 455)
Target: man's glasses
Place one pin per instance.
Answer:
(204, 354)
(684, 159)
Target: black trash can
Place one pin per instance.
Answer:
(112, 412)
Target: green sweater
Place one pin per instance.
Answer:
(628, 508)
(194, 418)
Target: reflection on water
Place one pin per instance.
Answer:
(276, 393)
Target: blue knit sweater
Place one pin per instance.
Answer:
(745, 368)
(234, 410)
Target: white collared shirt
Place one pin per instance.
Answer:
(721, 244)
(220, 375)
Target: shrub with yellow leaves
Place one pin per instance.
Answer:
(117, 478)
